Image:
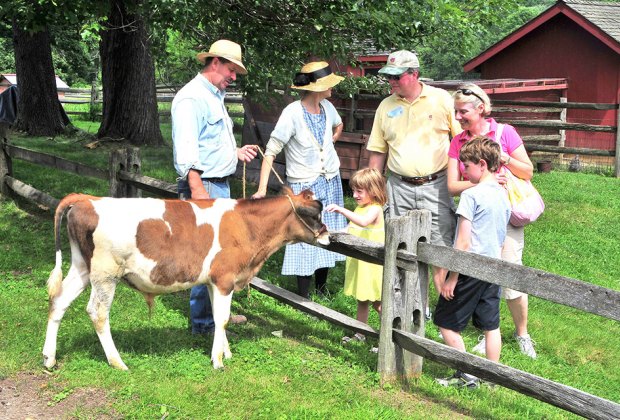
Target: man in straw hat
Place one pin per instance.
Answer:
(412, 130)
(307, 131)
(205, 149)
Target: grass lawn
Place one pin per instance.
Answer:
(305, 373)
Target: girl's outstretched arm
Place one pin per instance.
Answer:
(361, 220)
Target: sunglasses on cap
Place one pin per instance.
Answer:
(397, 76)
(469, 92)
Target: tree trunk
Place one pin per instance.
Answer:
(128, 76)
(39, 112)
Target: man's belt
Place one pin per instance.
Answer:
(216, 180)
(421, 180)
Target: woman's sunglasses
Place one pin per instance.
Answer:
(469, 92)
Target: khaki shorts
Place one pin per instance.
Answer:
(512, 251)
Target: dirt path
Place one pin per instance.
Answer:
(30, 396)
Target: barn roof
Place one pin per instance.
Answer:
(11, 78)
(601, 19)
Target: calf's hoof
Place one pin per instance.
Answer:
(218, 363)
(118, 364)
(49, 362)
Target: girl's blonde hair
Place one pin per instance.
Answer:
(472, 93)
(372, 181)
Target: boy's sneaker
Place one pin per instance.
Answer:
(481, 347)
(460, 380)
(526, 344)
(356, 337)
(428, 315)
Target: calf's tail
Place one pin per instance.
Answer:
(54, 282)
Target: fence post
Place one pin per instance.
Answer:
(133, 165)
(118, 160)
(404, 296)
(562, 133)
(127, 160)
(6, 168)
(617, 160)
(351, 117)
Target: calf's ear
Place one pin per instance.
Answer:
(307, 195)
(286, 190)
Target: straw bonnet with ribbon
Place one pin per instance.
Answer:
(316, 76)
(224, 48)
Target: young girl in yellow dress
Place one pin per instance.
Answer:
(362, 279)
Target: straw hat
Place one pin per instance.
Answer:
(316, 76)
(399, 62)
(225, 49)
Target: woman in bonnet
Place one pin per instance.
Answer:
(307, 130)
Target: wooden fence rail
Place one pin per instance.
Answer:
(402, 346)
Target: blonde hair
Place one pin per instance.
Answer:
(475, 96)
(372, 181)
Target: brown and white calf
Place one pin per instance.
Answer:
(163, 246)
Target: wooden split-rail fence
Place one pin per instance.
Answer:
(405, 257)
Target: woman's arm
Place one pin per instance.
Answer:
(265, 171)
(519, 163)
(337, 132)
(455, 184)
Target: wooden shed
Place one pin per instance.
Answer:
(578, 40)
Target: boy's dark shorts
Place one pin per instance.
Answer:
(473, 298)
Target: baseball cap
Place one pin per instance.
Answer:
(399, 62)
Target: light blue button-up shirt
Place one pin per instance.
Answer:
(202, 133)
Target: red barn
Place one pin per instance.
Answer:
(574, 39)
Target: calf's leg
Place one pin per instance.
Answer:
(75, 282)
(221, 315)
(98, 309)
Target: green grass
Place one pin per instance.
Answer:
(307, 373)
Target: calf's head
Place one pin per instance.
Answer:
(308, 210)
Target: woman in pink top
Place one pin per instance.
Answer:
(472, 106)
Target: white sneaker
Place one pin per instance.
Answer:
(428, 315)
(481, 347)
(526, 344)
(459, 380)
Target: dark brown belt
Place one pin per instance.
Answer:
(421, 180)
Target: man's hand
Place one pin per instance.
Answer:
(247, 152)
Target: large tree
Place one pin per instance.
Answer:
(38, 110)
(128, 78)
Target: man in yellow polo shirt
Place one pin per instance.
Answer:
(412, 129)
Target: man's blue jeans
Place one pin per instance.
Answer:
(200, 311)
